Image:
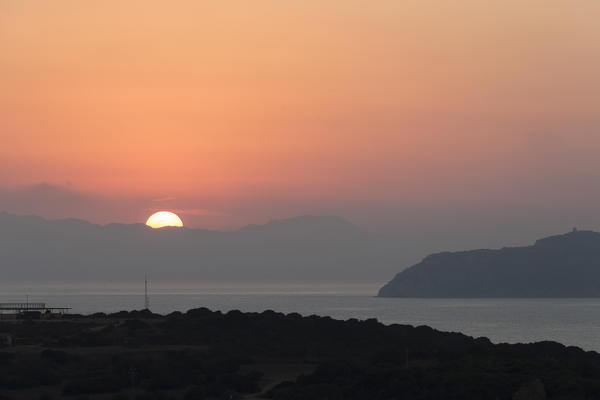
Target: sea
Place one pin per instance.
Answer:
(572, 322)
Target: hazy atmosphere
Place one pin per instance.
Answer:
(455, 125)
(299, 199)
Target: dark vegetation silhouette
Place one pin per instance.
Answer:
(202, 354)
(558, 266)
(307, 248)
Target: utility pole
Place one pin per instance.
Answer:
(146, 298)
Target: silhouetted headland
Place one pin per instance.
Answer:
(203, 354)
(558, 266)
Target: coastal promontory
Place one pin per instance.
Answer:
(558, 266)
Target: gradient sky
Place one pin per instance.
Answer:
(404, 116)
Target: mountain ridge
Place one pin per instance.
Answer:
(301, 219)
(298, 249)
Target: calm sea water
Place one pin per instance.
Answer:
(568, 321)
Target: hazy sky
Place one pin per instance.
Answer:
(411, 116)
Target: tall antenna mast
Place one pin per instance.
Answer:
(146, 298)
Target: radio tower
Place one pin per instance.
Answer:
(146, 298)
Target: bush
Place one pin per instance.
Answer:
(56, 356)
(104, 384)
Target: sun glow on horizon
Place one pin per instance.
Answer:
(164, 218)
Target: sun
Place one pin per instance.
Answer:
(164, 218)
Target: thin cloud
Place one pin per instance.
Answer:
(200, 212)
(165, 198)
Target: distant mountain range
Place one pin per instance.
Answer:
(300, 249)
(558, 266)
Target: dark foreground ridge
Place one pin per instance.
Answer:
(558, 266)
(209, 355)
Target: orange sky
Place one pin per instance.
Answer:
(240, 111)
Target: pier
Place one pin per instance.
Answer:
(30, 311)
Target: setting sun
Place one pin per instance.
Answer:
(164, 218)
